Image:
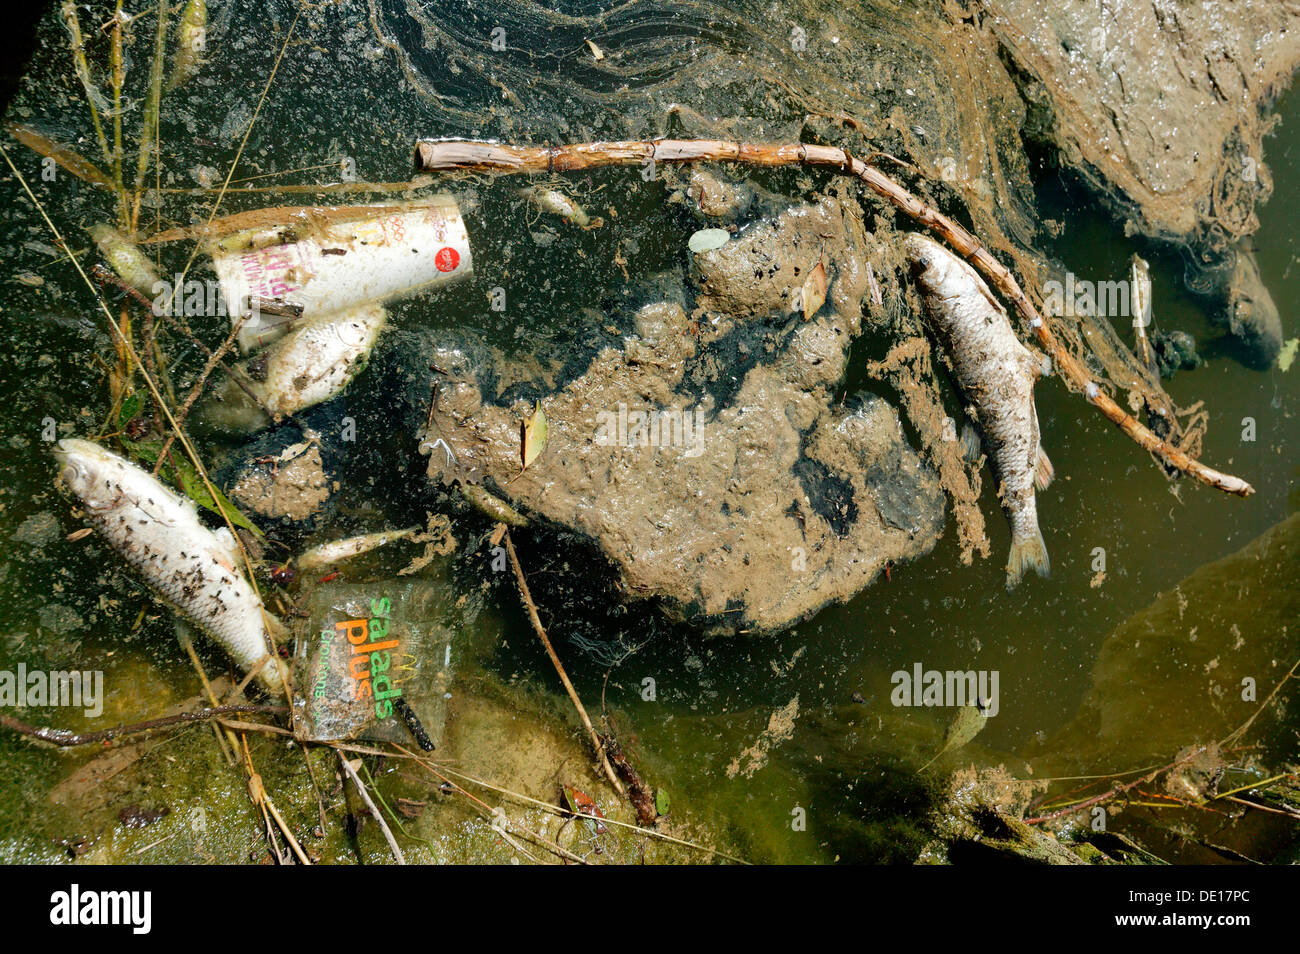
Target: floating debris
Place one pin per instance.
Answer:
(377, 662)
(336, 551)
(1140, 302)
(997, 374)
(1286, 356)
(127, 260)
(556, 203)
(189, 566)
(310, 366)
(318, 261)
(493, 506)
(191, 40)
(706, 240)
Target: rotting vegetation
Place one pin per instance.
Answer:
(872, 492)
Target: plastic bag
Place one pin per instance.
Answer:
(376, 663)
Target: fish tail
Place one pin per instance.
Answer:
(1027, 551)
(1043, 471)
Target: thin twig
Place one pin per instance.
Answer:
(183, 636)
(438, 769)
(214, 358)
(1238, 732)
(537, 837)
(559, 667)
(64, 737)
(1116, 791)
(497, 157)
(262, 798)
(374, 811)
(261, 101)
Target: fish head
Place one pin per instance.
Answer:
(85, 468)
(930, 262)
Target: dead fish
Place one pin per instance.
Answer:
(338, 550)
(128, 261)
(557, 203)
(997, 374)
(306, 367)
(191, 38)
(1140, 300)
(190, 567)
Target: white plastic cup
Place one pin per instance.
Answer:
(338, 257)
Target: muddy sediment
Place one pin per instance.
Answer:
(1158, 104)
(705, 453)
(1161, 108)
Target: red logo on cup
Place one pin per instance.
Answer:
(447, 259)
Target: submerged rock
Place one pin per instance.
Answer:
(1157, 105)
(1206, 653)
(702, 455)
(1250, 312)
(1160, 108)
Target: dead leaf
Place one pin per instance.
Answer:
(968, 723)
(580, 803)
(532, 435)
(62, 155)
(814, 291)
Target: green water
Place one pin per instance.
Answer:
(849, 764)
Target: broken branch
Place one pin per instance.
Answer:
(495, 157)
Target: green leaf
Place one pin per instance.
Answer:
(532, 435)
(1286, 356)
(129, 409)
(661, 801)
(181, 473)
(192, 484)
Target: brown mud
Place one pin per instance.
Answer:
(1161, 108)
(765, 498)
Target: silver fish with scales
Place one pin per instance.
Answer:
(192, 568)
(996, 374)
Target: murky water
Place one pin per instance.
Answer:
(687, 706)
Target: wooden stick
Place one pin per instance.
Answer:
(65, 737)
(432, 155)
(559, 667)
(374, 812)
(184, 635)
